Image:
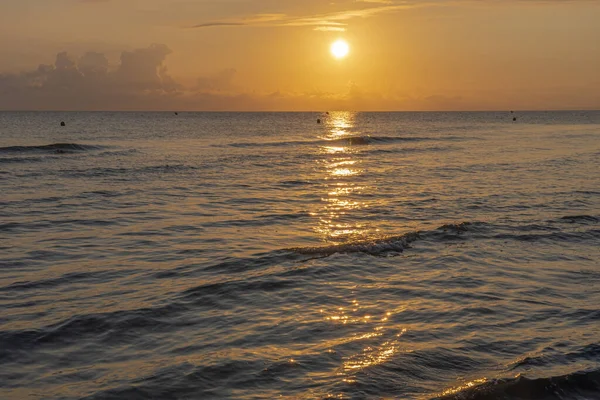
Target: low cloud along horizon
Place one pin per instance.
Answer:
(141, 81)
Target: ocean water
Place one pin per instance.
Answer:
(263, 255)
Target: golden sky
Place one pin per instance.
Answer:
(274, 54)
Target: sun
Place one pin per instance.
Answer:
(340, 49)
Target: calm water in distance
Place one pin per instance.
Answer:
(263, 255)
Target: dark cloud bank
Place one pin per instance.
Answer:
(139, 81)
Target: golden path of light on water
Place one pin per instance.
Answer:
(333, 150)
(344, 172)
(339, 165)
(339, 124)
(341, 219)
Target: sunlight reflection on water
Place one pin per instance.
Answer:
(348, 190)
(466, 385)
(340, 166)
(375, 342)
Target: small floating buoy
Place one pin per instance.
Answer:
(318, 120)
(176, 113)
(515, 118)
(327, 112)
(63, 123)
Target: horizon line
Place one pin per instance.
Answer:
(312, 111)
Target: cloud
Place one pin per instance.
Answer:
(143, 69)
(89, 83)
(330, 29)
(93, 65)
(256, 20)
(340, 19)
(331, 21)
(349, 10)
(213, 24)
(221, 81)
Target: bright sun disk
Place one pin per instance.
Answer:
(340, 49)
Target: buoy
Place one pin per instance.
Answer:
(63, 123)
(176, 113)
(318, 120)
(515, 118)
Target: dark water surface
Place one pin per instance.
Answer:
(262, 256)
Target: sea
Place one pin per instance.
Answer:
(324, 255)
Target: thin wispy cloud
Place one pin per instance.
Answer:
(358, 9)
(340, 18)
(332, 21)
(330, 29)
(377, 1)
(215, 24)
(255, 20)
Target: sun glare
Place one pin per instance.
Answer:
(340, 49)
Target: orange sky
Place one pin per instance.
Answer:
(274, 54)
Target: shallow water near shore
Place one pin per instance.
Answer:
(263, 255)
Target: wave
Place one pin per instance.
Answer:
(129, 173)
(52, 148)
(358, 140)
(549, 356)
(66, 279)
(451, 232)
(580, 219)
(211, 380)
(562, 236)
(373, 247)
(111, 327)
(577, 385)
(10, 160)
(389, 244)
(366, 140)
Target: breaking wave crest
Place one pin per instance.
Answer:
(372, 247)
(388, 244)
(359, 140)
(456, 231)
(366, 140)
